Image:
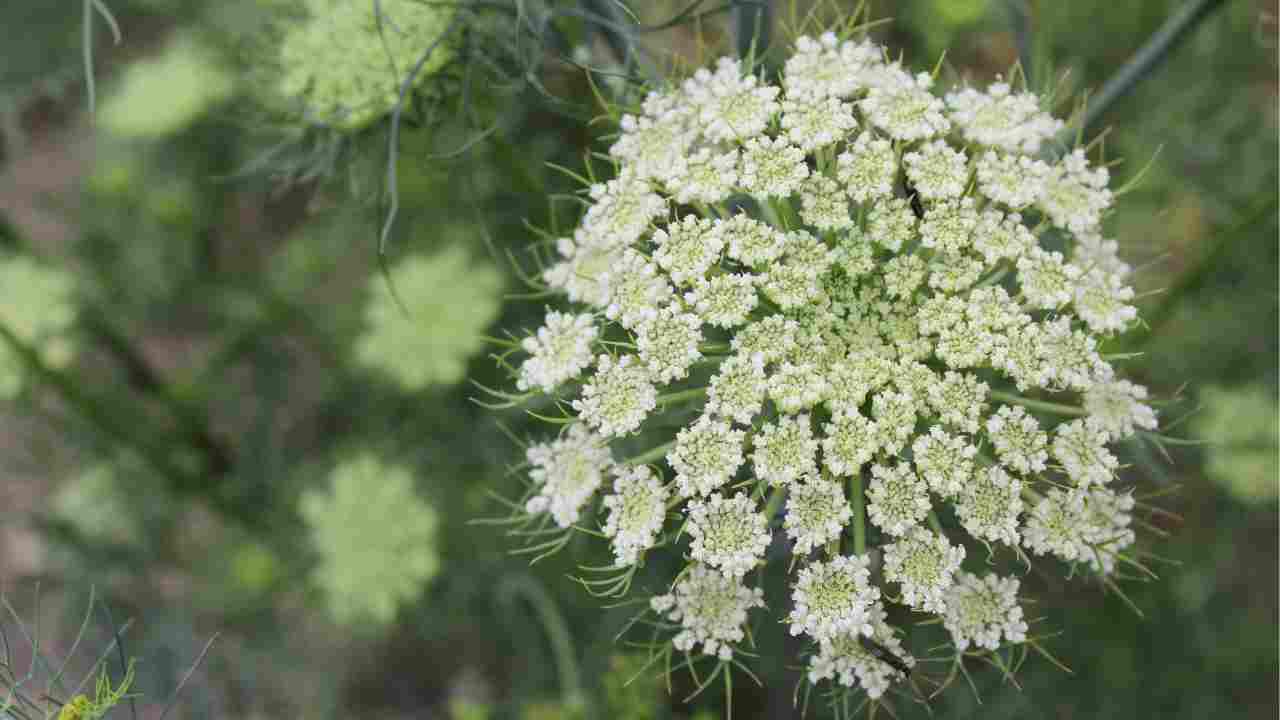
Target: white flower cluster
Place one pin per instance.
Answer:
(566, 473)
(711, 608)
(728, 533)
(827, 303)
(852, 661)
(636, 508)
(984, 611)
(834, 598)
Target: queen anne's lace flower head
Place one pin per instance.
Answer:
(811, 124)
(833, 301)
(622, 210)
(583, 269)
(823, 204)
(772, 167)
(1014, 180)
(705, 176)
(851, 441)
(829, 68)
(345, 63)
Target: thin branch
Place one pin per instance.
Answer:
(1146, 60)
(190, 671)
(393, 141)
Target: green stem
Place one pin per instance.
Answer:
(1145, 61)
(144, 377)
(770, 213)
(1041, 405)
(859, 514)
(772, 507)
(651, 454)
(558, 634)
(681, 396)
(935, 523)
(94, 409)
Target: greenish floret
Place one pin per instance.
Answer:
(165, 95)
(376, 539)
(38, 308)
(1241, 429)
(448, 301)
(345, 64)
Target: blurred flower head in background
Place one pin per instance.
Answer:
(166, 94)
(99, 506)
(1241, 430)
(344, 64)
(376, 540)
(425, 321)
(38, 307)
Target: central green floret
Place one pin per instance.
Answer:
(834, 292)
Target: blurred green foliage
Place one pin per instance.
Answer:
(1241, 431)
(237, 342)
